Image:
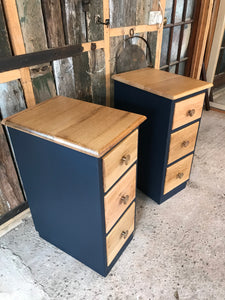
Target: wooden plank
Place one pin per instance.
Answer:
(11, 98)
(14, 222)
(165, 84)
(74, 23)
(95, 31)
(86, 127)
(217, 41)
(31, 18)
(17, 43)
(98, 44)
(10, 191)
(201, 38)
(159, 38)
(122, 13)
(63, 68)
(40, 57)
(5, 48)
(212, 28)
(107, 51)
(137, 29)
(9, 76)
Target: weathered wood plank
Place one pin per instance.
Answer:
(122, 13)
(10, 192)
(63, 69)
(95, 31)
(74, 23)
(11, 98)
(5, 49)
(142, 11)
(32, 25)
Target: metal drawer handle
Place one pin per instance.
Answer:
(124, 234)
(180, 175)
(125, 159)
(185, 144)
(124, 199)
(191, 112)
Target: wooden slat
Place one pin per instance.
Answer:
(87, 46)
(16, 38)
(11, 195)
(86, 127)
(137, 29)
(5, 48)
(201, 38)
(211, 31)
(107, 51)
(9, 76)
(168, 85)
(159, 39)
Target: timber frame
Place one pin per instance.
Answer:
(22, 71)
(19, 65)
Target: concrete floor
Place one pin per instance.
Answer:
(178, 251)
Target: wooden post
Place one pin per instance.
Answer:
(107, 51)
(16, 38)
(159, 38)
(201, 38)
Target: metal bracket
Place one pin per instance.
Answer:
(98, 20)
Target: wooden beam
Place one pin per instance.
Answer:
(159, 38)
(216, 43)
(201, 38)
(107, 50)
(18, 47)
(10, 76)
(211, 32)
(137, 29)
(37, 58)
(87, 46)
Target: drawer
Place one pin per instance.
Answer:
(182, 142)
(119, 159)
(188, 110)
(177, 173)
(119, 198)
(120, 233)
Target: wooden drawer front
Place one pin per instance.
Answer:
(187, 111)
(182, 142)
(119, 198)
(119, 159)
(177, 173)
(120, 233)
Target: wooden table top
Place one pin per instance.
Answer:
(86, 127)
(165, 84)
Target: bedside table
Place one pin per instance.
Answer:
(77, 161)
(173, 105)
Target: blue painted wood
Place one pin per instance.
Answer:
(64, 189)
(154, 137)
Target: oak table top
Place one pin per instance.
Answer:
(86, 127)
(165, 84)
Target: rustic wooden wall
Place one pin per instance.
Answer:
(54, 23)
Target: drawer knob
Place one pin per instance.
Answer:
(191, 112)
(124, 199)
(185, 144)
(180, 175)
(124, 234)
(125, 159)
